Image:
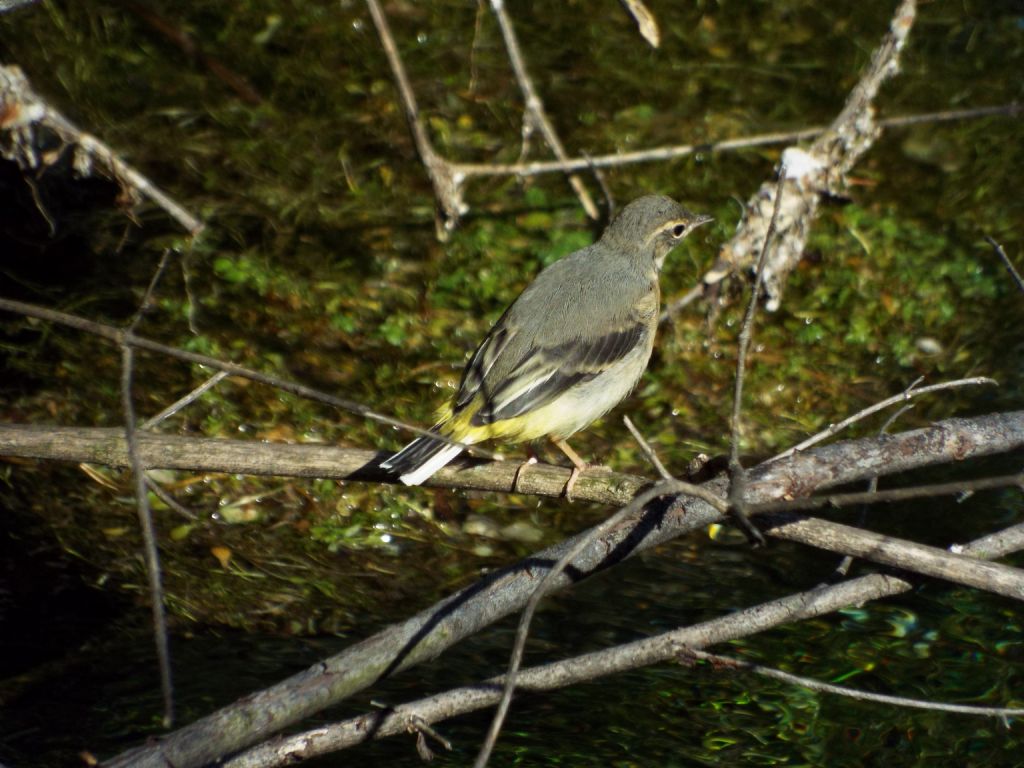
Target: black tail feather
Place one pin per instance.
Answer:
(414, 455)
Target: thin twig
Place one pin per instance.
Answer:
(142, 501)
(606, 191)
(446, 181)
(684, 301)
(737, 475)
(188, 399)
(119, 337)
(843, 568)
(728, 662)
(169, 500)
(747, 328)
(648, 450)
(1006, 260)
(909, 393)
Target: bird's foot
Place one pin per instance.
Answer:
(520, 471)
(571, 483)
(577, 472)
(579, 466)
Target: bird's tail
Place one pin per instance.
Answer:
(420, 459)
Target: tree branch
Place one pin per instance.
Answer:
(23, 112)
(427, 634)
(659, 648)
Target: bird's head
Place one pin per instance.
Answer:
(651, 226)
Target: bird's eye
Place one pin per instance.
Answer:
(678, 230)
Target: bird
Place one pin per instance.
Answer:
(570, 348)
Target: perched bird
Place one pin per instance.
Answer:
(568, 350)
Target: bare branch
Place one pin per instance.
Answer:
(820, 169)
(907, 555)
(254, 457)
(737, 476)
(909, 393)
(448, 177)
(22, 112)
(145, 514)
(677, 151)
(447, 183)
(957, 488)
(727, 662)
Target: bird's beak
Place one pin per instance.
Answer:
(701, 218)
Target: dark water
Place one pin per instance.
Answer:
(320, 264)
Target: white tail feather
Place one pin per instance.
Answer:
(432, 465)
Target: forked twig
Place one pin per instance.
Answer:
(22, 110)
(677, 151)
(447, 184)
(535, 115)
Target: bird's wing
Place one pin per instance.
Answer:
(491, 348)
(544, 373)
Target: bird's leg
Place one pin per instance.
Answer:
(531, 458)
(578, 465)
